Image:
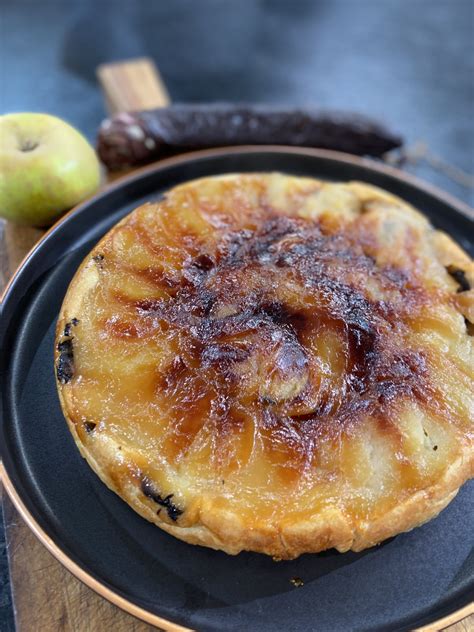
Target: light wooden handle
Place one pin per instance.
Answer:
(132, 85)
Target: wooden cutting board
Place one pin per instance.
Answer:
(46, 597)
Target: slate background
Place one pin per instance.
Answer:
(409, 63)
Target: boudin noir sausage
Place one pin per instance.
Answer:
(133, 138)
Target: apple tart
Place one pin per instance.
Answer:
(273, 363)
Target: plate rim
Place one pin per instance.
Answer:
(81, 574)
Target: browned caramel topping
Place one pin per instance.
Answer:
(239, 332)
(245, 320)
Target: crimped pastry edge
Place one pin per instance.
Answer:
(223, 530)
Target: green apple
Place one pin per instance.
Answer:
(46, 167)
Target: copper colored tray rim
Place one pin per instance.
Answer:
(37, 530)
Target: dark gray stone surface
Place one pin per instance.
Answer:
(409, 63)
(6, 612)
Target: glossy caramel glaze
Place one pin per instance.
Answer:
(270, 347)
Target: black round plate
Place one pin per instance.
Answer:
(410, 580)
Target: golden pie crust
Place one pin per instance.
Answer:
(273, 363)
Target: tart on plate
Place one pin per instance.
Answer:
(273, 363)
